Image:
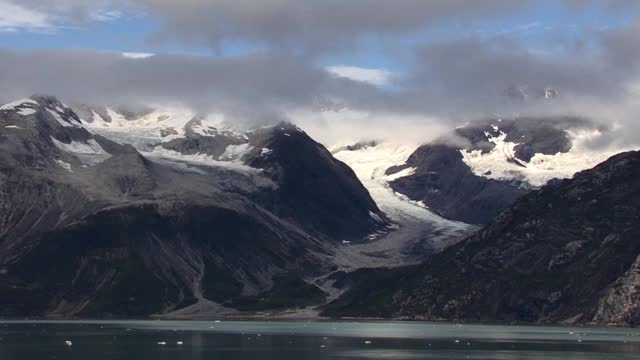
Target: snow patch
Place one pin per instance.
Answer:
(375, 217)
(91, 147)
(235, 152)
(27, 111)
(13, 127)
(265, 151)
(199, 159)
(61, 121)
(64, 165)
(15, 104)
(501, 163)
(208, 126)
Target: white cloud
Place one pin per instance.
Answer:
(14, 17)
(376, 77)
(137, 55)
(106, 15)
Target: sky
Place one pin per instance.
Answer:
(435, 62)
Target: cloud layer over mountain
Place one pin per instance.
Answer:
(451, 78)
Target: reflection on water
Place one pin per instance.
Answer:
(98, 340)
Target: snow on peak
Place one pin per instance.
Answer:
(17, 104)
(501, 163)
(27, 111)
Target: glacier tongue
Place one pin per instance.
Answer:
(416, 225)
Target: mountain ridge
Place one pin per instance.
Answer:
(561, 254)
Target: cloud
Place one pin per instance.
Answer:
(48, 16)
(308, 25)
(377, 77)
(304, 26)
(137, 55)
(255, 87)
(450, 82)
(14, 18)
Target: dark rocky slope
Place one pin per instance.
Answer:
(449, 187)
(566, 253)
(316, 191)
(89, 227)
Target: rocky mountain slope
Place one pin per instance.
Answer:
(474, 173)
(92, 227)
(565, 253)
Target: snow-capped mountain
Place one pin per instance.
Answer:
(93, 227)
(174, 213)
(567, 253)
(472, 175)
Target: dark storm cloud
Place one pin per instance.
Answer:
(479, 72)
(257, 85)
(456, 79)
(309, 25)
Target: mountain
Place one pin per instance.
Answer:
(93, 227)
(482, 167)
(567, 253)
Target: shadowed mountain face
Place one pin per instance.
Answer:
(315, 190)
(567, 252)
(448, 185)
(91, 227)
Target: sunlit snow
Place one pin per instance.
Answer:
(500, 163)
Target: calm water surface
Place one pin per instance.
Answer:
(158, 340)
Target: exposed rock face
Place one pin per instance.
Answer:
(621, 304)
(340, 207)
(567, 252)
(446, 184)
(314, 190)
(201, 139)
(90, 227)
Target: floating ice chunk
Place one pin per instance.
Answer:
(162, 343)
(68, 343)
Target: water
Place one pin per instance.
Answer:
(264, 340)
